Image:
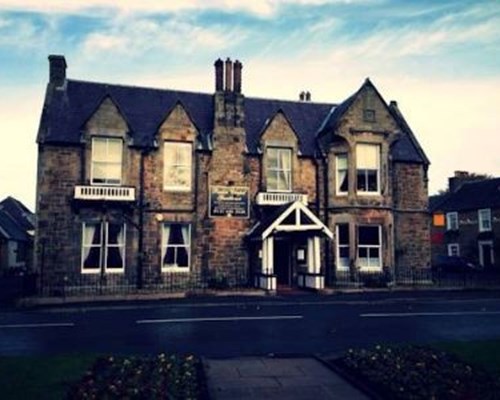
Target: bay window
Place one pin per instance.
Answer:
(279, 169)
(177, 166)
(343, 256)
(368, 168)
(176, 246)
(369, 247)
(103, 247)
(341, 174)
(106, 164)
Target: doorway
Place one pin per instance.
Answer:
(486, 254)
(282, 261)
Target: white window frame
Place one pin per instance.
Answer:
(452, 221)
(105, 162)
(484, 223)
(279, 168)
(338, 170)
(367, 192)
(341, 267)
(171, 160)
(369, 247)
(453, 250)
(481, 252)
(164, 245)
(104, 247)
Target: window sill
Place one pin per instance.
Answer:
(177, 189)
(176, 270)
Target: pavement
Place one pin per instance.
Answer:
(300, 378)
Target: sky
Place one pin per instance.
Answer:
(439, 59)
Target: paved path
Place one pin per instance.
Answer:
(276, 378)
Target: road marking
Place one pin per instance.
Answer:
(217, 319)
(429, 314)
(41, 325)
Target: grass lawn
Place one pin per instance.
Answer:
(484, 354)
(41, 377)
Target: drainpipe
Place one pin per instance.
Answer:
(325, 221)
(140, 246)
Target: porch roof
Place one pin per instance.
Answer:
(291, 217)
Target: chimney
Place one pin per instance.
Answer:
(229, 75)
(237, 76)
(219, 75)
(308, 96)
(302, 96)
(57, 70)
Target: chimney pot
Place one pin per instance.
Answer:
(308, 96)
(219, 75)
(394, 103)
(237, 76)
(229, 75)
(57, 70)
(302, 96)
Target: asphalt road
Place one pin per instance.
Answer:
(226, 327)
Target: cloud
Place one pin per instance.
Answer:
(258, 7)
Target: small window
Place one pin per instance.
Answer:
(103, 247)
(452, 221)
(106, 164)
(177, 166)
(369, 115)
(367, 168)
(176, 247)
(341, 174)
(279, 169)
(454, 250)
(484, 217)
(343, 256)
(369, 248)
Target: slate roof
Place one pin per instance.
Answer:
(473, 196)
(10, 230)
(144, 109)
(19, 213)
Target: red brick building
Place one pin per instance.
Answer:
(141, 187)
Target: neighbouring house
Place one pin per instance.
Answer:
(141, 187)
(466, 220)
(17, 227)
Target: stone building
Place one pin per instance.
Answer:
(141, 187)
(466, 220)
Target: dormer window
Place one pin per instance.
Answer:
(279, 169)
(106, 164)
(177, 166)
(368, 168)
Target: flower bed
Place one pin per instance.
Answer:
(410, 372)
(161, 377)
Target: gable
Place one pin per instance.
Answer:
(177, 125)
(107, 120)
(279, 129)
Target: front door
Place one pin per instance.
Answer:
(282, 266)
(486, 254)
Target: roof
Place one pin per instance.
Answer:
(10, 230)
(19, 213)
(473, 196)
(67, 110)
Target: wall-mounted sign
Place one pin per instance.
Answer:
(226, 201)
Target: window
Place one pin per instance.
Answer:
(341, 174)
(454, 249)
(369, 115)
(438, 219)
(452, 221)
(368, 168)
(106, 168)
(279, 169)
(178, 162)
(343, 256)
(484, 217)
(103, 247)
(369, 248)
(176, 247)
